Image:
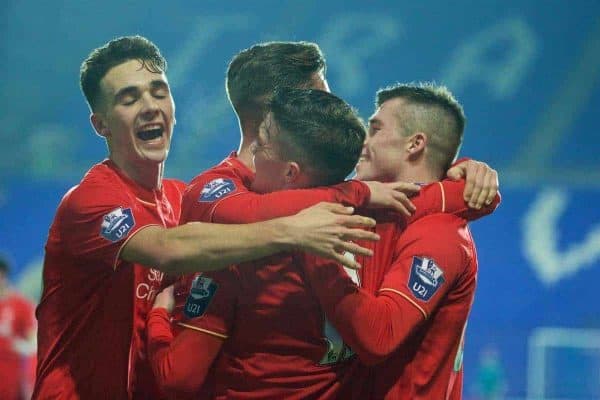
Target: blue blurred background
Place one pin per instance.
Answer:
(526, 71)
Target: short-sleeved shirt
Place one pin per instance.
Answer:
(91, 340)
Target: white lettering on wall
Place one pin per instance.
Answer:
(541, 233)
(477, 59)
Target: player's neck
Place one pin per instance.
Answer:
(417, 174)
(148, 176)
(248, 134)
(245, 153)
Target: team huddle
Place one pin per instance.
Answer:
(257, 280)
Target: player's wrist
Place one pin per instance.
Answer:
(281, 233)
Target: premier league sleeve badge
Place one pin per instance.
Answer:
(426, 277)
(202, 291)
(117, 224)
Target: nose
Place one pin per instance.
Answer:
(365, 143)
(149, 106)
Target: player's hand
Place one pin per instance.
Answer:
(166, 299)
(327, 230)
(481, 182)
(393, 196)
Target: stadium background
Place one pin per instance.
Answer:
(527, 73)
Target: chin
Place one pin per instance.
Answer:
(156, 156)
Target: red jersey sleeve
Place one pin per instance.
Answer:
(211, 303)
(180, 364)
(225, 198)
(97, 221)
(447, 197)
(431, 254)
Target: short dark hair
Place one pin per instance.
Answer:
(254, 73)
(433, 110)
(114, 53)
(323, 134)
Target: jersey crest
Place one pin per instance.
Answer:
(117, 224)
(217, 189)
(426, 277)
(202, 291)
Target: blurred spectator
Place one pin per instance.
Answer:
(490, 383)
(17, 340)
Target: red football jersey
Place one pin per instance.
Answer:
(222, 195)
(91, 339)
(408, 316)
(408, 319)
(277, 344)
(434, 272)
(17, 324)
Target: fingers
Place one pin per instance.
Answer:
(402, 204)
(482, 184)
(457, 172)
(492, 182)
(478, 187)
(356, 221)
(470, 170)
(359, 234)
(335, 208)
(349, 262)
(405, 187)
(353, 248)
(169, 290)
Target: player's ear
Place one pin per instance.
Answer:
(416, 144)
(292, 172)
(99, 125)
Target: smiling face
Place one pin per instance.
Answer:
(136, 115)
(382, 155)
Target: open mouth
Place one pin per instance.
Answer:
(149, 134)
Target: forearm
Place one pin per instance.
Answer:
(177, 374)
(250, 207)
(373, 326)
(204, 247)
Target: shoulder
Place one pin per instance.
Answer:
(436, 224)
(442, 234)
(95, 190)
(99, 190)
(214, 184)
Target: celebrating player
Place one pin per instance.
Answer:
(261, 334)
(409, 316)
(293, 65)
(121, 218)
